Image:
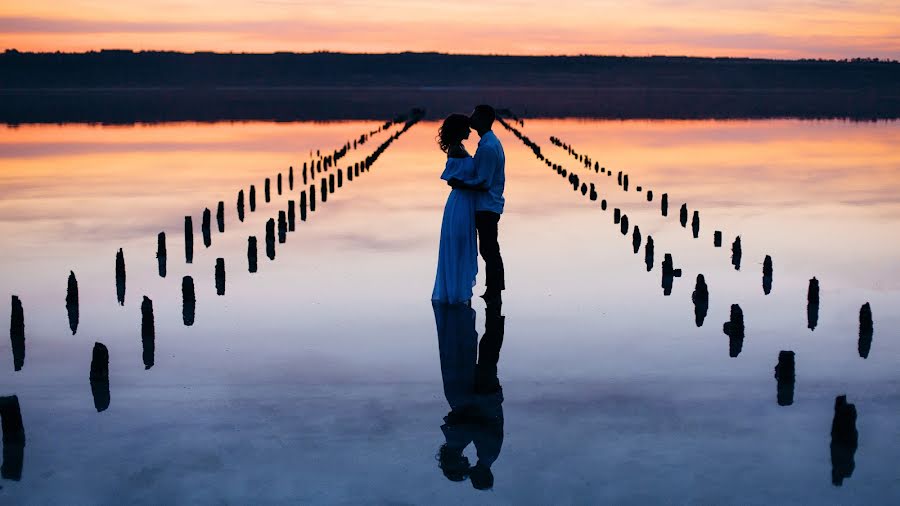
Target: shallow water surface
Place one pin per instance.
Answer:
(322, 377)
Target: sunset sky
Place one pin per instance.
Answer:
(765, 28)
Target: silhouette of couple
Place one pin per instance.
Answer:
(475, 203)
(473, 391)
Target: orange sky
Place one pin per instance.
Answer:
(766, 28)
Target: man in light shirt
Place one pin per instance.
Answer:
(490, 169)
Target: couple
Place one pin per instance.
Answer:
(475, 203)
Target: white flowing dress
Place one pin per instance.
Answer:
(458, 251)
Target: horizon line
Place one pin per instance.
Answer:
(442, 53)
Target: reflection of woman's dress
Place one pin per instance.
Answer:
(458, 250)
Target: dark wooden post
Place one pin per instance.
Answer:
(282, 227)
(278, 184)
(148, 332)
(251, 254)
(695, 224)
(844, 440)
(617, 215)
(188, 301)
(252, 198)
(292, 216)
(700, 297)
(736, 253)
(330, 183)
(866, 330)
(270, 239)
(291, 177)
(649, 195)
(324, 185)
(188, 239)
(120, 277)
(785, 375)
(648, 253)
(268, 190)
(220, 216)
(812, 304)
(161, 253)
(734, 329)
(624, 224)
(683, 214)
(312, 198)
(340, 178)
(240, 205)
(72, 302)
(664, 204)
(17, 333)
(220, 276)
(303, 205)
(205, 227)
(100, 377)
(636, 239)
(767, 275)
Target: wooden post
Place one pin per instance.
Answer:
(700, 297)
(624, 224)
(100, 377)
(866, 330)
(205, 227)
(636, 239)
(268, 190)
(648, 253)
(695, 224)
(270, 239)
(188, 301)
(72, 302)
(664, 204)
(282, 227)
(303, 205)
(844, 440)
(17, 333)
(188, 239)
(324, 185)
(220, 276)
(785, 375)
(767, 275)
(291, 177)
(252, 198)
(292, 216)
(717, 239)
(251, 254)
(240, 205)
(120, 277)
(148, 332)
(736, 253)
(340, 178)
(603, 204)
(683, 215)
(625, 182)
(312, 198)
(734, 329)
(13, 428)
(161, 253)
(220, 216)
(278, 185)
(617, 216)
(812, 304)
(649, 195)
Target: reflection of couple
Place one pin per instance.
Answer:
(475, 203)
(469, 371)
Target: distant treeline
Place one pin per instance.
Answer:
(114, 68)
(128, 87)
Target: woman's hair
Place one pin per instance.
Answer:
(452, 131)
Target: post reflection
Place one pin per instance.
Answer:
(473, 391)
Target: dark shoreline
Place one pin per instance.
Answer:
(153, 105)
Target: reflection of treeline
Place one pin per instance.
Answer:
(130, 69)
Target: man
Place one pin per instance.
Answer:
(490, 171)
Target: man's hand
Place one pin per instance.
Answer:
(455, 183)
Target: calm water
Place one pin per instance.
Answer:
(318, 379)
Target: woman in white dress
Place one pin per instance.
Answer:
(458, 250)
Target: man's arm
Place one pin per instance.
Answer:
(459, 184)
(486, 162)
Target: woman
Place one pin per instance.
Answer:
(458, 251)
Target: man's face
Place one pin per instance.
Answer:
(476, 121)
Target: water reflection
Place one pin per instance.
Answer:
(473, 391)
(844, 440)
(100, 377)
(13, 438)
(17, 333)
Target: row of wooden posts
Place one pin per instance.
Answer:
(99, 375)
(843, 432)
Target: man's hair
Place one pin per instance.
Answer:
(486, 111)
